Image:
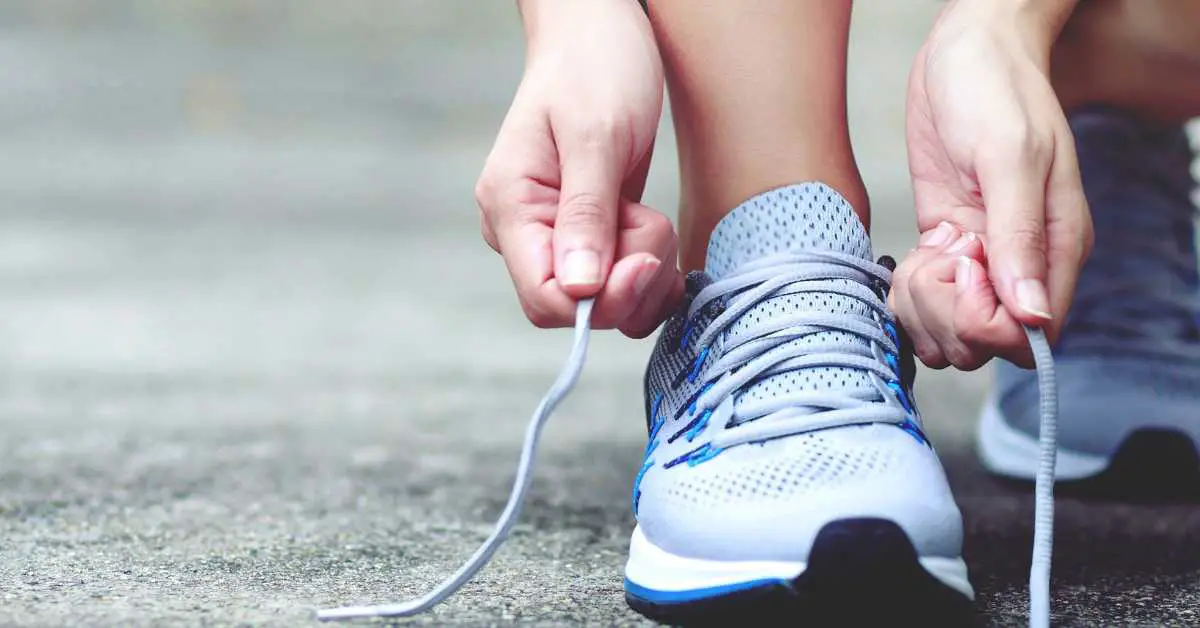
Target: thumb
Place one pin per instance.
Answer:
(585, 228)
(1015, 199)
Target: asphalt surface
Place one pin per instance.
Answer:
(254, 358)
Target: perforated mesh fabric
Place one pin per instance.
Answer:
(805, 217)
(731, 507)
(668, 360)
(791, 468)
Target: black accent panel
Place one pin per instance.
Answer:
(861, 572)
(1151, 466)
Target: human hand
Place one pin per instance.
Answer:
(560, 192)
(992, 158)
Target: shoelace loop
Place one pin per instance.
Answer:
(1043, 538)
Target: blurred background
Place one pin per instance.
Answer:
(281, 185)
(254, 355)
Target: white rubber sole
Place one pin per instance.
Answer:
(1008, 452)
(652, 568)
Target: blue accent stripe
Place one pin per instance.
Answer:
(695, 595)
(691, 426)
(699, 426)
(637, 482)
(696, 365)
(654, 408)
(695, 456)
(915, 431)
(654, 429)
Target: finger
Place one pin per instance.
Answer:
(641, 230)
(902, 298)
(666, 289)
(635, 183)
(672, 301)
(980, 322)
(524, 240)
(644, 318)
(938, 237)
(631, 276)
(1013, 179)
(585, 228)
(936, 284)
(1069, 230)
(902, 303)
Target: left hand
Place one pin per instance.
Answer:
(993, 161)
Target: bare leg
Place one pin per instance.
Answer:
(758, 95)
(1139, 55)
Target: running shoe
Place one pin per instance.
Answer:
(787, 473)
(1128, 358)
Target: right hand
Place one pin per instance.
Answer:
(1005, 224)
(561, 189)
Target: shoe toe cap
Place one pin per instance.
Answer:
(768, 501)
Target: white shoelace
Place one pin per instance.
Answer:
(1043, 529)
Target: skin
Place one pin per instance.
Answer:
(560, 192)
(772, 114)
(992, 158)
(960, 302)
(1004, 223)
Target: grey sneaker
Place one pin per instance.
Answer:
(787, 473)
(1129, 355)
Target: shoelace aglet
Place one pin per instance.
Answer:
(512, 510)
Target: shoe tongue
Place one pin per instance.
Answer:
(792, 219)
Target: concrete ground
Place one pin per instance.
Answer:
(254, 357)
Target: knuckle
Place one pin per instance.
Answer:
(960, 356)
(659, 226)
(639, 330)
(922, 279)
(973, 334)
(583, 209)
(599, 130)
(484, 191)
(1025, 143)
(1027, 234)
(538, 315)
(900, 277)
(932, 358)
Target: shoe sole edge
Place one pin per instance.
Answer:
(1005, 451)
(851, 561)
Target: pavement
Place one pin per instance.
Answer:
(255, 359)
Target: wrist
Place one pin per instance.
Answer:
(1034, 25)
(1040, 21)
(545, 18)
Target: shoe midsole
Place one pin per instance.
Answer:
(660, 576)
(1007, 451)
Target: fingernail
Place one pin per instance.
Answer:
(939, 236)
(580, 268)
(962, 242)
(1032, 297)
(963, 275)
(646, 273)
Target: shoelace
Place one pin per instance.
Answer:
(1043, 529)
(768, 347)
(512, 510)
